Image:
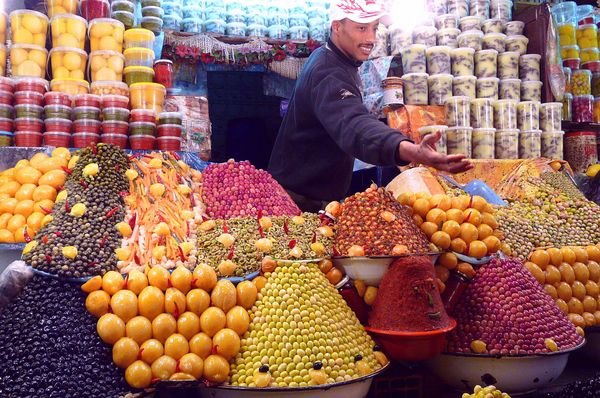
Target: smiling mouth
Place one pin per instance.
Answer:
(366, 48)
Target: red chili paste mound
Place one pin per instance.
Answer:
(408, 299)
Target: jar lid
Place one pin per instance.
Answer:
(163, 61)
(109, 53)
(143, 86)
(142, 69)
(105, 21)
(31, 12)
(138, 50)
(138, 34)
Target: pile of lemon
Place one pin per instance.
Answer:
(28, 192)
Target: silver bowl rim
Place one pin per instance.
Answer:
(522, 356)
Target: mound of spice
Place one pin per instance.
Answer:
(376, 223)
(505, 311)
(236, 247)
(238, 189)
(408, 299)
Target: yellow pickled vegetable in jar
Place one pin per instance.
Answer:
(587, 36)
(56, 7)
(68, 63)
(567, 35)
(581, 82)
(68, 31)
(106, 34)
(28, 60)
(106, 66)
(147, 96)
(567, 52)
(589, 54)
(2, 60)
(28, 27)
(3, 25)
(70, 86)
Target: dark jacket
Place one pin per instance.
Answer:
(326, 127)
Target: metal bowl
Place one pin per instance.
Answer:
(357, 388)
(371, 269)
(511, 374)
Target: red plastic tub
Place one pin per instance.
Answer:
(142, 142)
(87, 126)
(6, 124)
(7, 84)
(168, 143)
(56, 138)
(169, 130)
(35, 84)
(29, 124)
(593, 66)
(572, 63)
(6, 97)
(114, 127)
(87, 100)
(57, 98)
(58, 125)
(143, 115)
(29, 97)
(82, 140)
(115, 101)
(28, 138)
(119, 140)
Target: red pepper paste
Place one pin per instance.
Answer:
(408, 299)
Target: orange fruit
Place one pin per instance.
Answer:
(536, 272)
(551, 290)
(429, 228)
(455, 215)
(44, 192)
(421, 207)
(52, 164)
(21, 163)
(8, 205)
(575, 306)
(452, 228)
(489, 219)
(24, 207)
(593, 253)
(461, 202)
(484, 231)
(594, 269)
(564, 291)
(468, 232)
(406, 198)
(10, 173)
(493, 244)
(541, 258)
(34, 221)
(580, 254)
(4, 220)
(472, 216)
(43, 206)
(6, 236)
(579, 290)
(20, 234)
(477, 249)
(566, 273)
(27, 175)
(442, 273)
(562, 305)
(54, 178)
(568, 255)
(5, 179)
(458, 245)
(552, 274)
(25, 192)
(592, 289)
(582, 273)
(37, 159)
(440, 201)
(441, 240)
(10, 188)
(448, 260)
(61, 152)
(4, 196)
(16, 221)
(556, 256)
(436, 216)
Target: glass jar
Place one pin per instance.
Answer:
(567, 109)
(583, 108)
(581, 81)
(163, 72)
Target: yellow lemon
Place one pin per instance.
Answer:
(118, 34)
(6, 236)
(37, 160)
(21, 163)
(61, 152)
(22, 36)
(94, 43)
(76, 28)
(72, 61)
(34, 24)
(105, 74)
(101, 29)
(593, 170)
(58, 26)
(115, 63)
(60, 73)
(25, 192)
(29, 68)
(57, 10)
(38, 57)
(56, 61)
(18, 56)
(97, 63)
(39, 39)
(53, 163)
(76, 74)
(108, 43)
(67, 40)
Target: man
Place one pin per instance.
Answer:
(327, 125)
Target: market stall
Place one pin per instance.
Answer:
(145, 271)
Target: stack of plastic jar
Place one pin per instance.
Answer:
(501, 9)
(57, 114)
(29, 100)
(86, 119)
(169, 131)
(152, 16)
(173, 11)
(552, 134)
(115, 120)
(124, 11)
(6, 109)
(93, 9)
(142, 129)
(28, 54)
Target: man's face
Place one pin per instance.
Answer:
(355, 39)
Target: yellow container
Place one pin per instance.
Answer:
(106, 34)
(70, 86)
(139, 56)
(587, 36)
(28, 60)
(68, 31)
(147, 96)
(56, 7)
(589, 54)
(139, 38)
(28, 27)
(68, 63)
(566, 34)
(106, 66)
(2, 60)
(567, 52)
(3, 25)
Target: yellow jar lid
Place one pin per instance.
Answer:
(69, 80)
(142, 86)
(143, 69)
(133, 51)
(138, 34)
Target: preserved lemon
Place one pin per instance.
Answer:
(151, 350)
(226, 343)
(159, 277)
(212, 320)
(124, 304)
(97, 303)
(216, 369)
(205, 277)
(151, 302)
(224, 295)
(181, 279)
(246, 294)
(110, 328)
(201, 345)
(137, 281)
(164, 367)
(112, 282)
(238, 320)
(192, 364)
(188, 325)
(163, 326)
(176, 346)
(139, 329)
(174, 302)
(138, 375)
(197, 301)
(125, 352)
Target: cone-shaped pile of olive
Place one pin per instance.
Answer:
(302, 333)
(49, 346)
(81, 239)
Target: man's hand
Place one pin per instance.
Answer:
(425, 153)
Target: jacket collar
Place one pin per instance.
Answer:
(341, 55)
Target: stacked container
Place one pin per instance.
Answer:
(142, 129)
(152, 16)
(170, 125)
(6, 111)
(28, 54)
(57, 122)
(29, 100)
(123, 11)
(115, 120)
(86, 119)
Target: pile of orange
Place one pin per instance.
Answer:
(460, 224)
(27, 194)
(571, 275)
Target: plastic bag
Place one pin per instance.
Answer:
(12, 281)
(554, 69)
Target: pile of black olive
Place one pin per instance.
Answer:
(93, 234)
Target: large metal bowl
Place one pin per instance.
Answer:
(357, 388)
(511, 374)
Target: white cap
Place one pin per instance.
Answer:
(360, 11)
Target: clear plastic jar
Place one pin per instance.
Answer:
(567, 52)
(415, 88)
(517, 43)
(486, 63)
(28, 60)
(446, 21)
(507, 144)
(479, 8)
(587, 36)
(459, 140)
(425, 35)
(515, 28)
(442, 145)
(567, 34)
(458, 111)
(108, 65)
(298, 33)
(278, 32)
(482, 113)
(414, 59)
(483, 143)
(193, 12)
(529, 67)
(470, 23)
(472, 39)
(399, 39)
(298, 19)
(172, 22)
(572, 63)
(464, 86)
(217, 26)
(552, 144)
(494, 41)
(530, 144)
(463, 61)
(68, 31)
(458, 7)
(568, 83)
(510, 89)
(583, 108)
(550, 116)
(438, 7)
(528, 115)
(440, 88)
(256, 30)
(28, 27)
(508, 65)
(567, 110)
(501, 9)
(448, 37)
(492, 26)
(531, 91)
(438, 60)
(589, 55)
(487, 87)
(505, 114)
(235, 29)
(192, 25)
